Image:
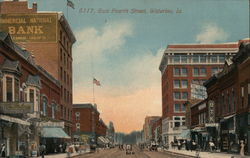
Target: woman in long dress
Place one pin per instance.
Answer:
(242, 145)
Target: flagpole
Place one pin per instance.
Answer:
(92, 72)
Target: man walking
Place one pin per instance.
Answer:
(3, 154)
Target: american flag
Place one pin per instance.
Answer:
(70, 4)
(95, 81)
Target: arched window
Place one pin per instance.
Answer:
(45, 105)
(53, 106)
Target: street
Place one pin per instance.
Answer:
(117, 153)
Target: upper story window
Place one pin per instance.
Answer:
(195, 58)
(77, 116)
(78, 126)
(45, 105)
(199, 72)
(203, 72)
(177, 71)
(184, 84)
(184, 72)
(177, 107)
(195, 71)
(221, 58)
(53, 110)
(214, 58)
(177, 84)
(9, 89)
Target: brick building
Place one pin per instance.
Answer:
(147, 127)
(156, 131)
(229, 91)
(87, 123)
(181, 66)
(29, 100)
(48, 36)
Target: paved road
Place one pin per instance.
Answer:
(116, 153)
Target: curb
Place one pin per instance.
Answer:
(179, 154)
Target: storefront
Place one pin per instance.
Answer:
(11, 136)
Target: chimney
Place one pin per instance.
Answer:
(34, 6)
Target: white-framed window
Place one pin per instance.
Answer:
(184, 72)
(214, 58)
(195, 71)
(203, 72)
(77, 116)
(177, 84)
(177, 95)
(184, 95)
(11, 89)
(177, 107)
(184, 84)
(78, 126)
(179, 121)
(221, 58)
(177, 71)
(45, 105)
(53, 110)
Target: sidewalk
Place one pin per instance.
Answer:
(205, 154)
(63, 155)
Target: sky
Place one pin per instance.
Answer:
(123, 49)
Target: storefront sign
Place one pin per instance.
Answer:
(211, 111)
(16, 107)
(211, 125)
(40, 27)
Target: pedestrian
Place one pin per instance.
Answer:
(42, 150)
(211, 146)
(3, 154)
(242, 146)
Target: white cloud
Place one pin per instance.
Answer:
(211, 33)
(91, 41)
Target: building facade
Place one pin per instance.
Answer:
(181, 66)
(230, 93)
(48, 36)
(87, 124)
(29, 100)
(147, 127)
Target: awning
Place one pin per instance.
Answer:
(199, 129)
(53, 132)
(101, 140)
(14, 120)
(185, 134)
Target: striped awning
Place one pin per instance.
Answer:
(53, 132)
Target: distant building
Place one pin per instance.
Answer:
(181, 66)
(147, 127)
(157, 131)
(48, 36)
(111, 132)
(87, 124)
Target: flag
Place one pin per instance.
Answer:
(95, 81)
(70, 4)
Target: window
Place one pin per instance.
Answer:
(203, 72)
(183, 108)
(203, 58)
(195, 58)
(177, 84)
(77, 116)
(78, 126)
(184, 72)
(9, 89)
(184, 59)
(184, 95)
(53, 110)
(176, 58)
(45, 104)
(176, 71)
(177, 107)
(31, 95)
(196, 71)
(184, 84)
(222, 58)
(214, 70)
(16, 90)
(177, 95)
(214, 59)
(177, 122)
